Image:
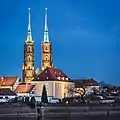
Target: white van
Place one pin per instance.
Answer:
(54, 100)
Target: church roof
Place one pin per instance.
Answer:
(24, 88)
(7, 91)
(85, 82)
(8, 81)
(50, 74)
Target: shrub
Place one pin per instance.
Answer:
(26, 99)
(44, 98)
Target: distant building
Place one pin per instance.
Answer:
(9, 82)
(6, 94)
(24, 89)
(87, 84)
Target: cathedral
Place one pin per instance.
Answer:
(54, 79)
(28, 64)
(57, 83)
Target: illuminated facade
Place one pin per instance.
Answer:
(46, 48)
(54, 79)
(57, 84)
(28, 64)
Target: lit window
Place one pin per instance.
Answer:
(66, 78)
(58, 78)
(2, 78)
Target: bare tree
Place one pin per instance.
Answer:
(75, 91)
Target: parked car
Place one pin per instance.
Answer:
(3, 100)
(54, 100)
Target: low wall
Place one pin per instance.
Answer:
(57, 111)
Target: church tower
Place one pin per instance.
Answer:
(28, 64)
(46, 47)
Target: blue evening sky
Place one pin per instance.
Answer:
(85, 36)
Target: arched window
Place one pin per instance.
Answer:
(46, 48)
(29, 49)
(46, 58)
(29, 58)
(29, 67)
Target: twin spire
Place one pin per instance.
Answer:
(29, 24)
(29, 36)
(46, 36)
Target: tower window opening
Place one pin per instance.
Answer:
(46, 58)
(29, 67)
(29, 49)
(46, 48)
(29, 59)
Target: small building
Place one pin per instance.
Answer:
(6, 94)
(9, 82)
(89, 85)
(56, 83)
(25, 89)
